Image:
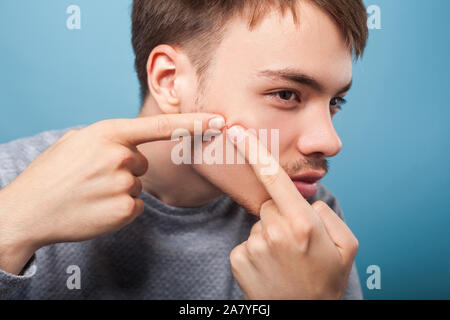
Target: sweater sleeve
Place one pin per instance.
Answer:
(11, 285)
(15, 156)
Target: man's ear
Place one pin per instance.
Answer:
(163, 68)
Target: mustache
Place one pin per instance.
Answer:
(306, 164)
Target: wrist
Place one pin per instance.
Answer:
(16, 246)
(13, 259)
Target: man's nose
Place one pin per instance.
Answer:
(318, 136)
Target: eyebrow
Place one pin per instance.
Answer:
(299, 78)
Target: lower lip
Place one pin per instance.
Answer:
(307, 189)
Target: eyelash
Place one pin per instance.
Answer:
(339, 101)
(336, 102)
(276, 93)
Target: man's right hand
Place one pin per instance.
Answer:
(83, 186)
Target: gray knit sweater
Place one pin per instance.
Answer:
(166, 253)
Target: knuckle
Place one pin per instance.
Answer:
(256, 228)
(319, 205)
(138, 185)
(267, 206)
(103, 126)
(163, 126)
(255, 248)
(269, 179)
(122, 155)
(127, 206)
(354, 245)
(302, 235)
(237, 256)
(106, 129)
(144, 165)
(139, 206)
(302, 230)
(125, 181)
(274, 237)
(351, 247)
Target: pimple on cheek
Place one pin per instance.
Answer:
(233, 120)
(230, 122)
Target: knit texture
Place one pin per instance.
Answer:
(165, 253)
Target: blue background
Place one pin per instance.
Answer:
(392, 176)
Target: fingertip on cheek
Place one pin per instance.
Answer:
(236, 133)
(217, 122)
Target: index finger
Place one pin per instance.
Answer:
(135, 131)
(275, 180)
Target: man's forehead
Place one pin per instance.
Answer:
(312, 53)
(276, 34)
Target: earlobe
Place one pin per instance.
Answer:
(173, 99)
(161, 78)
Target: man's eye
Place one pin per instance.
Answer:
(336, 104)
(339, 101)
(287, 95)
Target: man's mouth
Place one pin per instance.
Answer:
(307, 182)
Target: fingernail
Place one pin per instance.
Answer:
(236, 133)
(212, 133)
(217, 123)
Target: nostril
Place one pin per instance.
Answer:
(316, 155)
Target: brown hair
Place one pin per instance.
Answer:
(197, 26)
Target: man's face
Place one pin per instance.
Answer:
(279, 76)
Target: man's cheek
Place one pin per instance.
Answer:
(222, 167)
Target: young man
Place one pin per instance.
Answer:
(103, 211)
